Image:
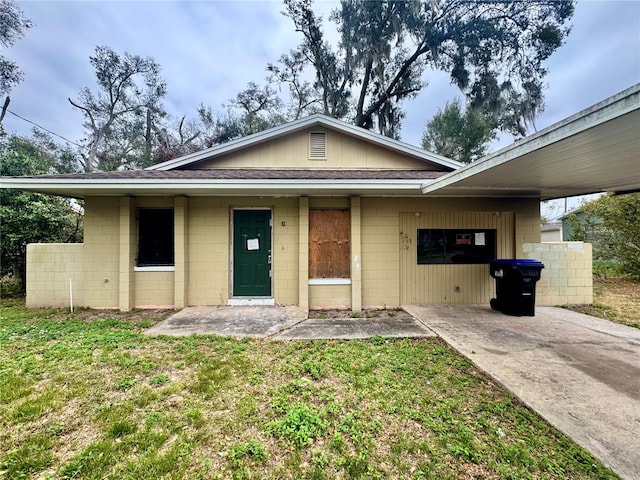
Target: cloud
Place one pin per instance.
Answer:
(600, 58)
(210, 50)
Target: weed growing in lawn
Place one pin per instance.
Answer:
(315, 369)
(300, 426)
(125, 383)
(122, 428)
(159, 379)
(252, 450)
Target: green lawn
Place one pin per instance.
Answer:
(85, 396)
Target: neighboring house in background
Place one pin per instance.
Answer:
(322, 214)
(551, 232)
(577, 218)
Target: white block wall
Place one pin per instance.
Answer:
(567, 275)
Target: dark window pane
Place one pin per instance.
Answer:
(464, 246)
(155, 237)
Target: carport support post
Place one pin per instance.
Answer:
(127, 254)
(303, 253)
(356, 253)
(181, 217)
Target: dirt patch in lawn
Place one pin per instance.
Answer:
(141, 318)
(152, 315)
(614, 299)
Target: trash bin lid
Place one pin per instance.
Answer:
(517, 262)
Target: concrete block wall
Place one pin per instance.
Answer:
(567, 275)
(154, 289)
(209, 247)
(93, 266)
(386, 274)
(380, 252)
(330, 296)
(285, 251)
(50, 266)
(106, 260)
(102, 250)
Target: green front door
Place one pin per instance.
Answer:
(252, 253)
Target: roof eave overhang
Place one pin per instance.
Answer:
(170, 187)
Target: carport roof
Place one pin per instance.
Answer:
(595, 150)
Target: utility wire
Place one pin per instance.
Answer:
(45, 129)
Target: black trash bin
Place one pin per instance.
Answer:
(515, 285)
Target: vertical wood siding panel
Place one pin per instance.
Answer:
(424, 284)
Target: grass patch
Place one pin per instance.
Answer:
(614, 298)
(88, 396)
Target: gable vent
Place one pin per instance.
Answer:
(317, 145)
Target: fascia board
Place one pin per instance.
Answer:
(296, 125)
(186, 185)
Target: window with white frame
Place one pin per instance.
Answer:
(155, 237)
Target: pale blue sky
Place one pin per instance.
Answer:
(209, 50)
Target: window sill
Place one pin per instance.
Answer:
(329, 281)
(159, 268)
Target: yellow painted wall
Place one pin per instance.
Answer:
(387, 262)
(292, 151)
(154, 289)
(330, 296)
(285, 251)
(567, 276)
(391, 278)
(210, 248)
(436, 284)
(50, 266)
(93, 266)
(101, 251)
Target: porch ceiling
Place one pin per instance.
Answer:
(596, 150)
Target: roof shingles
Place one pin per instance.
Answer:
(250, 174)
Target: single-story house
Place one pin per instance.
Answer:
(322, 214)
(581, 218)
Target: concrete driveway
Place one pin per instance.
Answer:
(582, 374)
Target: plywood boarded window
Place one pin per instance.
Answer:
(329, 244)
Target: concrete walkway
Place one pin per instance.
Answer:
(582, 374)
(286, 323)
(254, 321)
